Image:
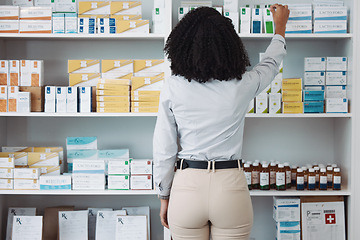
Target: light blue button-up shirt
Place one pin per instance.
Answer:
(207, 118)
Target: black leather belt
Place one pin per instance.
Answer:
(205, 164)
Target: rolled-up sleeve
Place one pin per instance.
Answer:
(165, 146)
(264, 72)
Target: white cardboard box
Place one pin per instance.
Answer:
(26, 173)
(72, 99)
(50, 99)
(141, 182)
(26, 184)
(336, 78)
(61, 95)
(261, 102)
(335, 92)
(336, 64)
(314, 78)
(24, 102)
(118, 182)
(119, 167)
(286, 209)
(314, 64)
(336, 105)
(141, 166)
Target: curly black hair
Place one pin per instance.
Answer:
(204, 46)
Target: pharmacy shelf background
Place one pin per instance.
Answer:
(294, 138)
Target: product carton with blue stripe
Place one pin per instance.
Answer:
(336, 78)
(55, 182)
(330, 14)
(288, 230)
(315, 64)
(286, 209)
(314, 107)
(88, 154)
(88, 166)
(256, 20)
(311, 95)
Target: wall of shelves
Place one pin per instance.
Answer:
(298, 139)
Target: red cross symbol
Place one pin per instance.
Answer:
(330, 219)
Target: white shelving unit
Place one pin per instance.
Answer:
(295, 138)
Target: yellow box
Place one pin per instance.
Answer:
(112, 98)
(43, 159)
(149, 65)
(116, 75)
(83, 79)
(292, 95)
(145, 98)
(20, 158)
(59, 150)
(126, 82)
(112, 93)
(292, 84)
(125, 66)
(125, 8)
(113, 104)
(132, 26)
(113, 87)
(113, 110)
(17, 149)
(48, 170)
(293, 107)
(145, 92)
(84, 66)
(94, 7)
(144, 109)
(126, 17)
(144, 104)
(139, 82)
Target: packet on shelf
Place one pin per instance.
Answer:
(84, 66)
(26, 173)
(147, 82)
(3, 98)
(107, 92)
(123, 66)
(88, 181)
(9, 12)
(336, 64)
(120, 105)
(89, 154)
(83, 79)
(314, 78)
(141, 167)
(113, 109)
(291, 95)
(26, 184)
(292, 84)
(126, 17)
(55, 182)
(43, 159)
(336, 78)
(67, 6)
(7, 173)
(6, 184)
(119, 182)
(14, 73)
(72, 99)
(274, 103)
(314, 107)
(313, 95)
(4, 72)
(142, 105)
(35, 13)
(261, 103)
(94, 7)
(336, 105)
(330, 27)
(16, 149)
(80, 143)
(293, 107)
(125, 8)
(141, 182)
(48, 170)
(132, 26)
(13, 92)
(85, 99)
(148, 66)
(145, 109)
(113, 98)
(314, 64)
(20, 158)
(116, 75)
(59, 150)
(335, 92)
(9, 26)
(88, 166)
(7, 162)
(118, 167)
(145, 98)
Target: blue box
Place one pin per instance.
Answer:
(314, 107)
(313, 95)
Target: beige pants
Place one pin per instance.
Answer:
(204, 202)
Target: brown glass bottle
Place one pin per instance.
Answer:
(265, 177)
(329, 173)
(300, 179)
(337, 179)
(305, 176)
(287, 175)
(317, 176)
(323, 179)
(281, 178)
(255, 176)
(311, 179)
(247, 172)
(273, 170)
(293, 175)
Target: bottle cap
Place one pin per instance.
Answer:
(281, 166)
(334, 165)
(246, 165)
(311, 170)
(272, 164)
(322, 170)
(329, 168)
(265, 165)
(316, 168)
(255, 164)
(336, 169)
(299, 170)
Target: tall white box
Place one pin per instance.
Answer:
(72, 99)
(256, 21)
(61, 94)
(24, 102)
(58, 20)
(286, 209)
(71, 23)
(234, 16)
(4, 72)
(85, 99)
(50, 99)
(261, 102)
(14, 72)
(245, 20)
(25, 73)
(336, 64)
(316, 64)
(274, 103)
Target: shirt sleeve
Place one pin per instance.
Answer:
(165, 146)
(264, 72)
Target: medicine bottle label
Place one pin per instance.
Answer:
(311, 183)
(255, 177)
(337, 182)
(300, 183)
(288, 177)
(280, 178)
(264, 179)
(329, 180)
(272, 178)
(323, 182)
(248, 177)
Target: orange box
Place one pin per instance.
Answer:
(3, 98)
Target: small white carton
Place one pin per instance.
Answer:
(336, 105)
(274, 103)
(26, 184)
(286, 209)
(315, 64)
(234, 16)
(119, 167)
(85, 99)
(61, 94)
(314, 78)
(245, 20)
(336, 78)
(335, 92)
(26, 173)
(72, 99)
(55, 182)
(141, 182)
(50, 99)
(261, 102)
(118, 182)
(336, 64)
(141, 166)
(23, 102)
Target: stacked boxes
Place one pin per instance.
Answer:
(61, 182)
(118, 168)
(46, 162)
(80, 148)
(9, 19)
(88, 174)
(300, 19)
(35, 20)
(146, 85)
(26, 179)
(7, 166)
(141, 174)
(50, 169)
(330, 19)
(83, 73)
(292, 95)
(286, 213)
(113, 96)
(325, 79)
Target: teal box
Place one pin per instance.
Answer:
(114, 154)
(77, 143)
(313, 95)
(314, 107)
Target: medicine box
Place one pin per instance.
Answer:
(26, 173)
(141, 166)
(23, 3)
(94, 7)
(311, 95)
(336, 64)
(286, 209)
(108, 22)
(71, 23)
(261, 103)
(330, 27)
(88, 166)
(89, 154)
(251, 108)
(234, 17)
(77, 143)
(336, 78)
(119, 182)
(116, 75)
(292, 84)
(293, 107)
(4, 72)
(6, 173)
(314, 107)
(9, 26)
(125, 8)
(256, 21)
(298, 13)
(55, 182)
(274, 103)
(330, 13)
(14, 73)
(26, 184)
(141, 182)
(3, 98)
(58, 23)
(61, 95)
(37, 73)
(182, 11)
(114, 154)
(314, 78)
(72, 99)
(132, 26)
(48, 170)
(67, 6)
(119, 167)
(276, 84)
(291, 95)
(88, 181)
(20, 158)
(59, 150)
(35, 13)
(7, 162)
(83, 79)
(315, 64)
(288, 230)
(336, 105)
(269, 26)
(12, 98)
(158, 20)
(25, 76)
(9, 12)
(24, 102)
(245, 20)
(35, 26)
(85, 99)
(315, 88)
(84, 66)
(6, 184)
(50, 99)
(45, 3)
(145, 109)
(43, 159)
(335, 91)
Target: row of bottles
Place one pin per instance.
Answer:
(279, 176)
